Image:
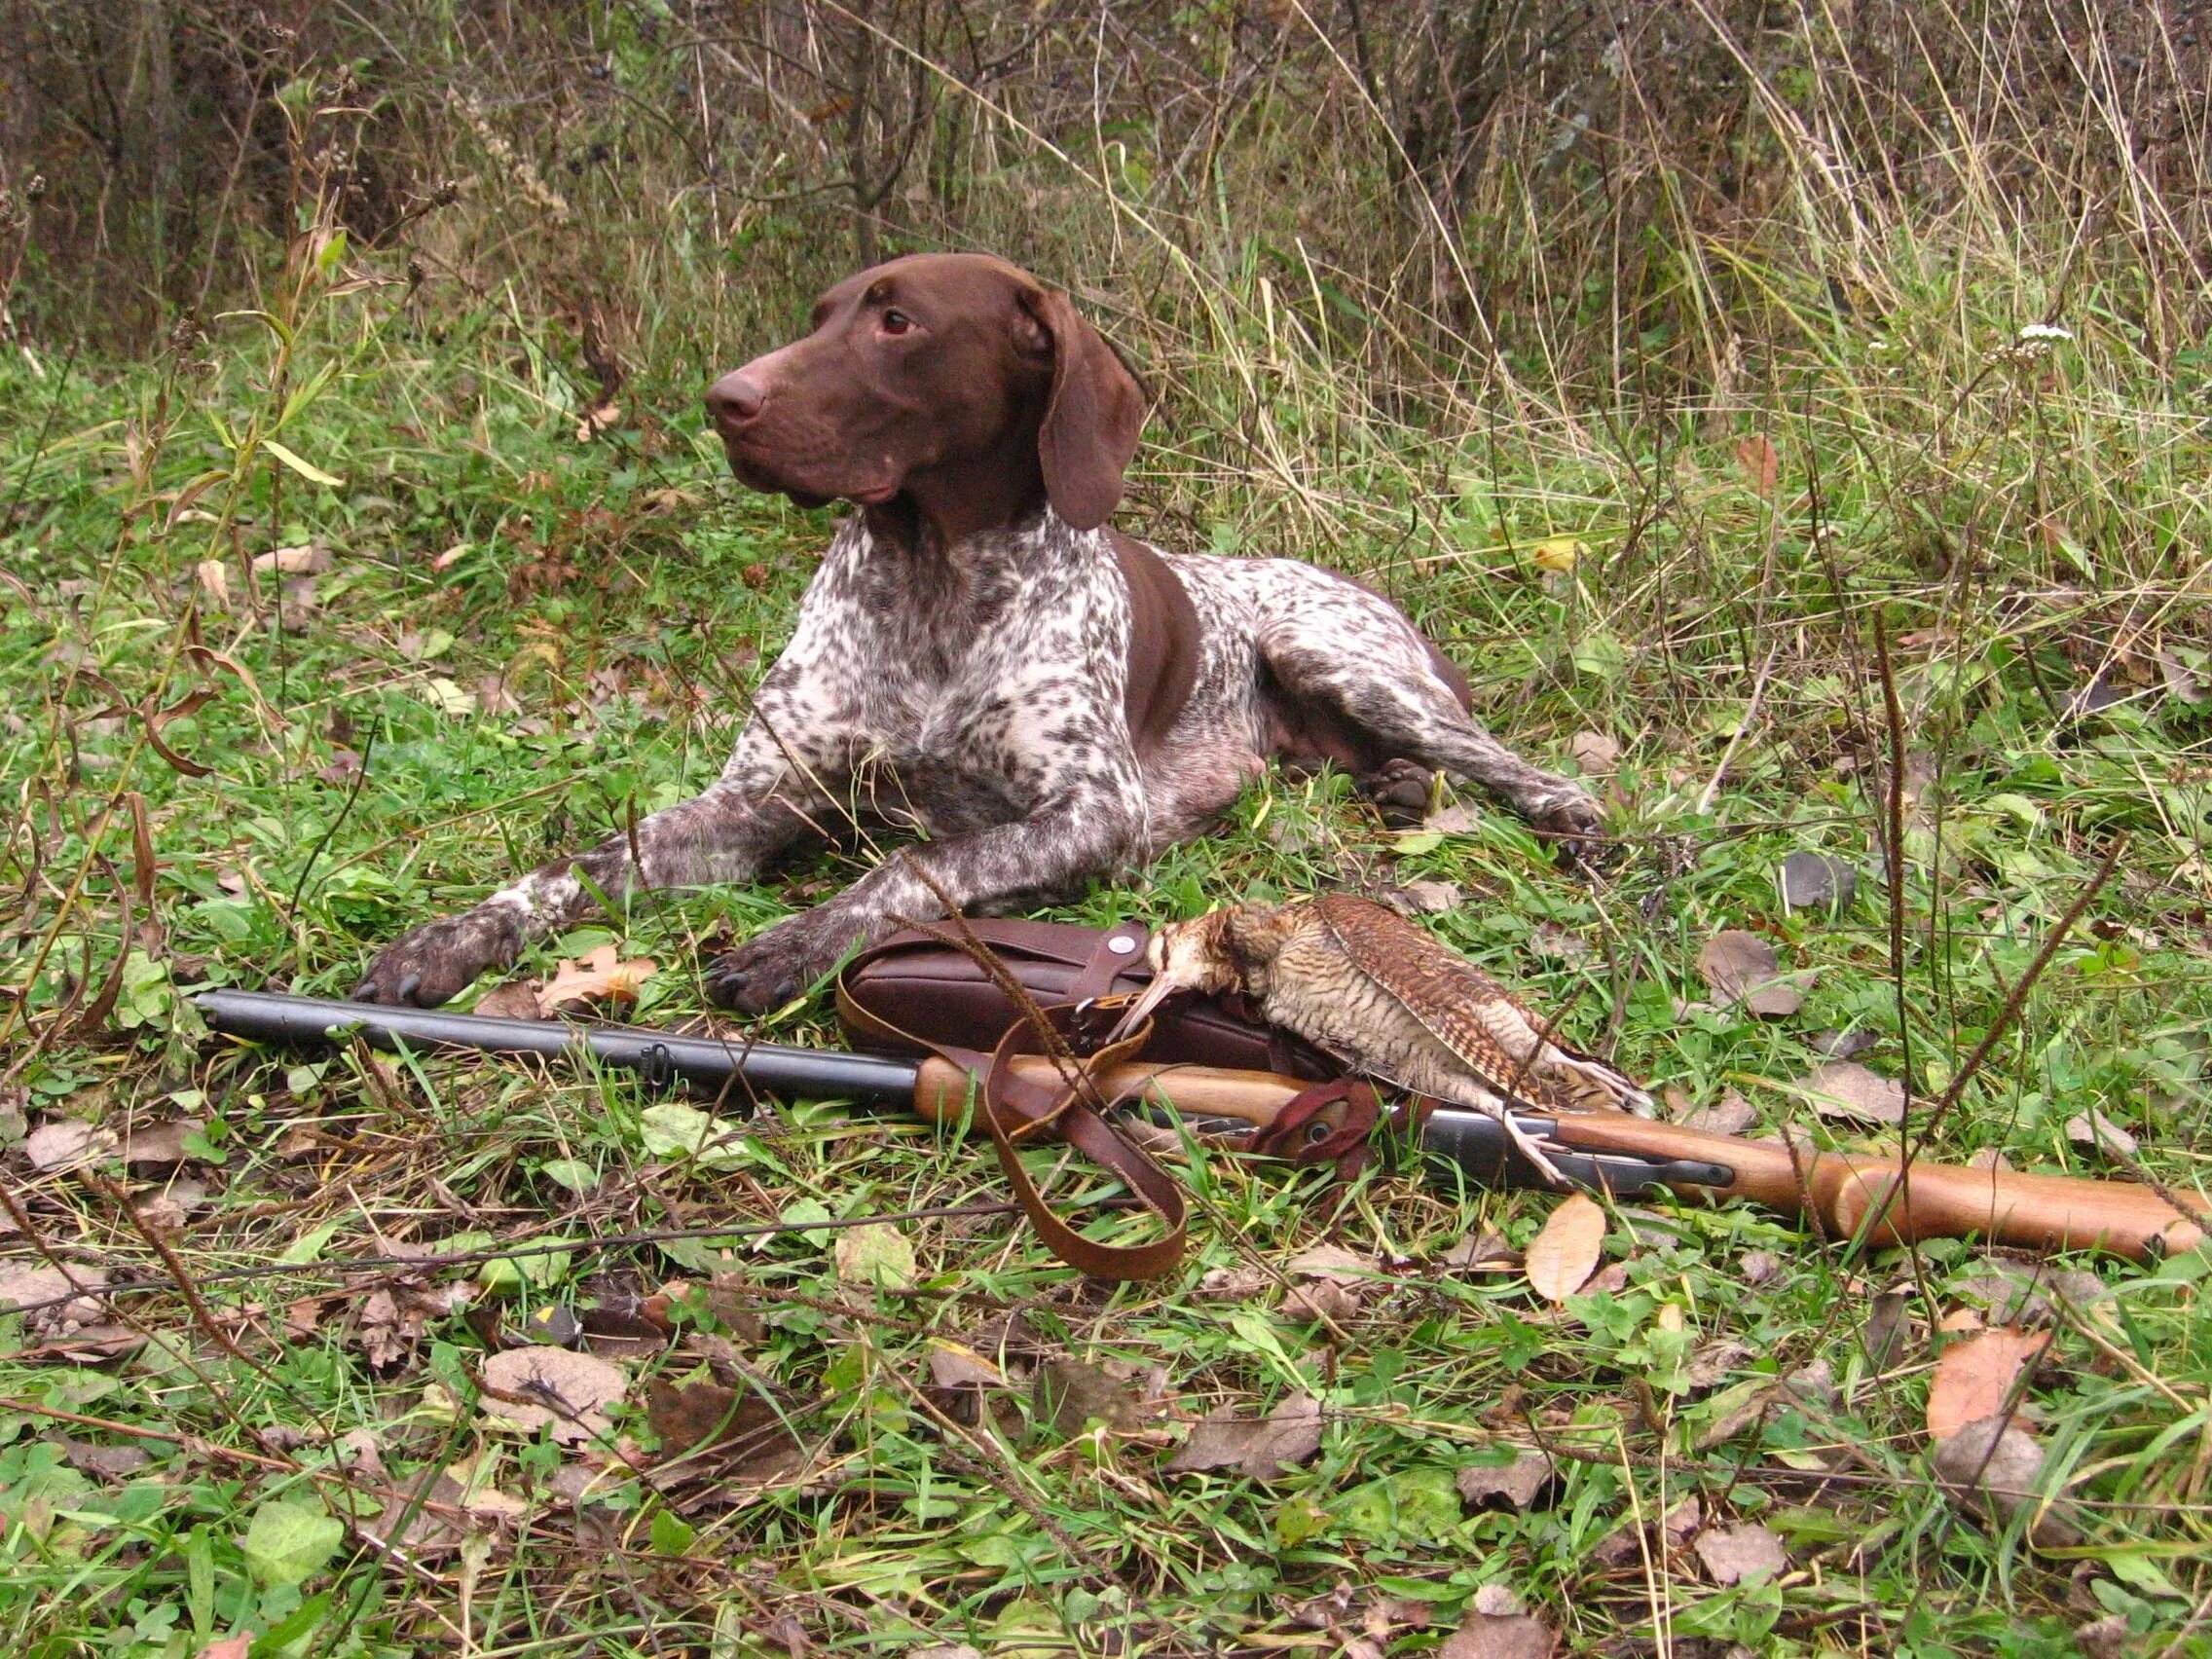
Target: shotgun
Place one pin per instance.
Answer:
(1850, 1194)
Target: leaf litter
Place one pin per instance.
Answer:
(1564, 1252)
(1742, 967)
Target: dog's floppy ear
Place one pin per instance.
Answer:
(1094, 416)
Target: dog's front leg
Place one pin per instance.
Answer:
(1083, 835)
(761, 803)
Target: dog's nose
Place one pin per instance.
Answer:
(735, 399)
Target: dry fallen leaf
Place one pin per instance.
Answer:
(65, 1145)
(599, 974)
(953, 1365)
(516, 999)
(1734, 1554)
(537, 1386)
(1847, 1090)
(1564, 1252)
(214, 578)
(1334, 1263)
(1517, 1483)
(2093, 1128)
(692, 1416)
(1490, 1635)
(1593, 753)
(598, 421)
(1994, 1467)
(1888, 1325)
(1730, 1114)
(1740, 967)
(1974, 1379)
(1762, 464)
(1070, 1394)
(153, 1145)
(1261, 1447)
(309, 559)
(24, 1286)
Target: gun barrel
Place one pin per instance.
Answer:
(705, 1062)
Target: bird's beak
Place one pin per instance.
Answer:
(1141, 1009)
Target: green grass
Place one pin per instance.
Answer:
(524, 641)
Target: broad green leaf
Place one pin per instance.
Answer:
(876, 1254)
(287, 1543)
(672, 1130)
(308, 1246)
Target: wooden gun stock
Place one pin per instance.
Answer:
(1938, 1201)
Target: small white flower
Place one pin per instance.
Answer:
(2033, 332)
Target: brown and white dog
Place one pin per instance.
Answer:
(980, 658)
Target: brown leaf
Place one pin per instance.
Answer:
(1593, 753)
(1740, 967)
(1713, 1361)
(1320, 1303)
(1430, 897)
(155, 1145)
(693, 1417)
(1517, 1483)
(601, 973)
(1730, 1114)
(228, 1646)
(1261, 1447)
(22, 1286)
(955, 1366)
(597, 421)
(1070, 1394)
(1994, 1467)
(1564, 1252)
(65, 1145)
(1847, 1090)
(1976, 1376)
(309, 559)
(2094, 1130)
(616, 1333)
(539, 1386)
(214, 578)
(1334, 1263)
(1484, 1250)
(1558, 943)
(1734, 1554)
(108, 1462)
(516, 999)
(1887, 1327)
(1486, 1635)
(1760, 463)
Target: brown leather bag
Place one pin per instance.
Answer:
(914, 993)
(920, 992)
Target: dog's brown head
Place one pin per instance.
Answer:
(952, 378)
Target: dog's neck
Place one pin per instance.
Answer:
(941, 509)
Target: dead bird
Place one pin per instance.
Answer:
(1381, 993)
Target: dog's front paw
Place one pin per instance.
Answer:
(1575, 824)
(769, 969)
(434, 962)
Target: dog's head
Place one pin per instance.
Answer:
(951, 377)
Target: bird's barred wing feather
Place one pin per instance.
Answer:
(1451, 999)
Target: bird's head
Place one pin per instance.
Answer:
(1196, 955)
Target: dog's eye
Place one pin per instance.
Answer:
(897, 322)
